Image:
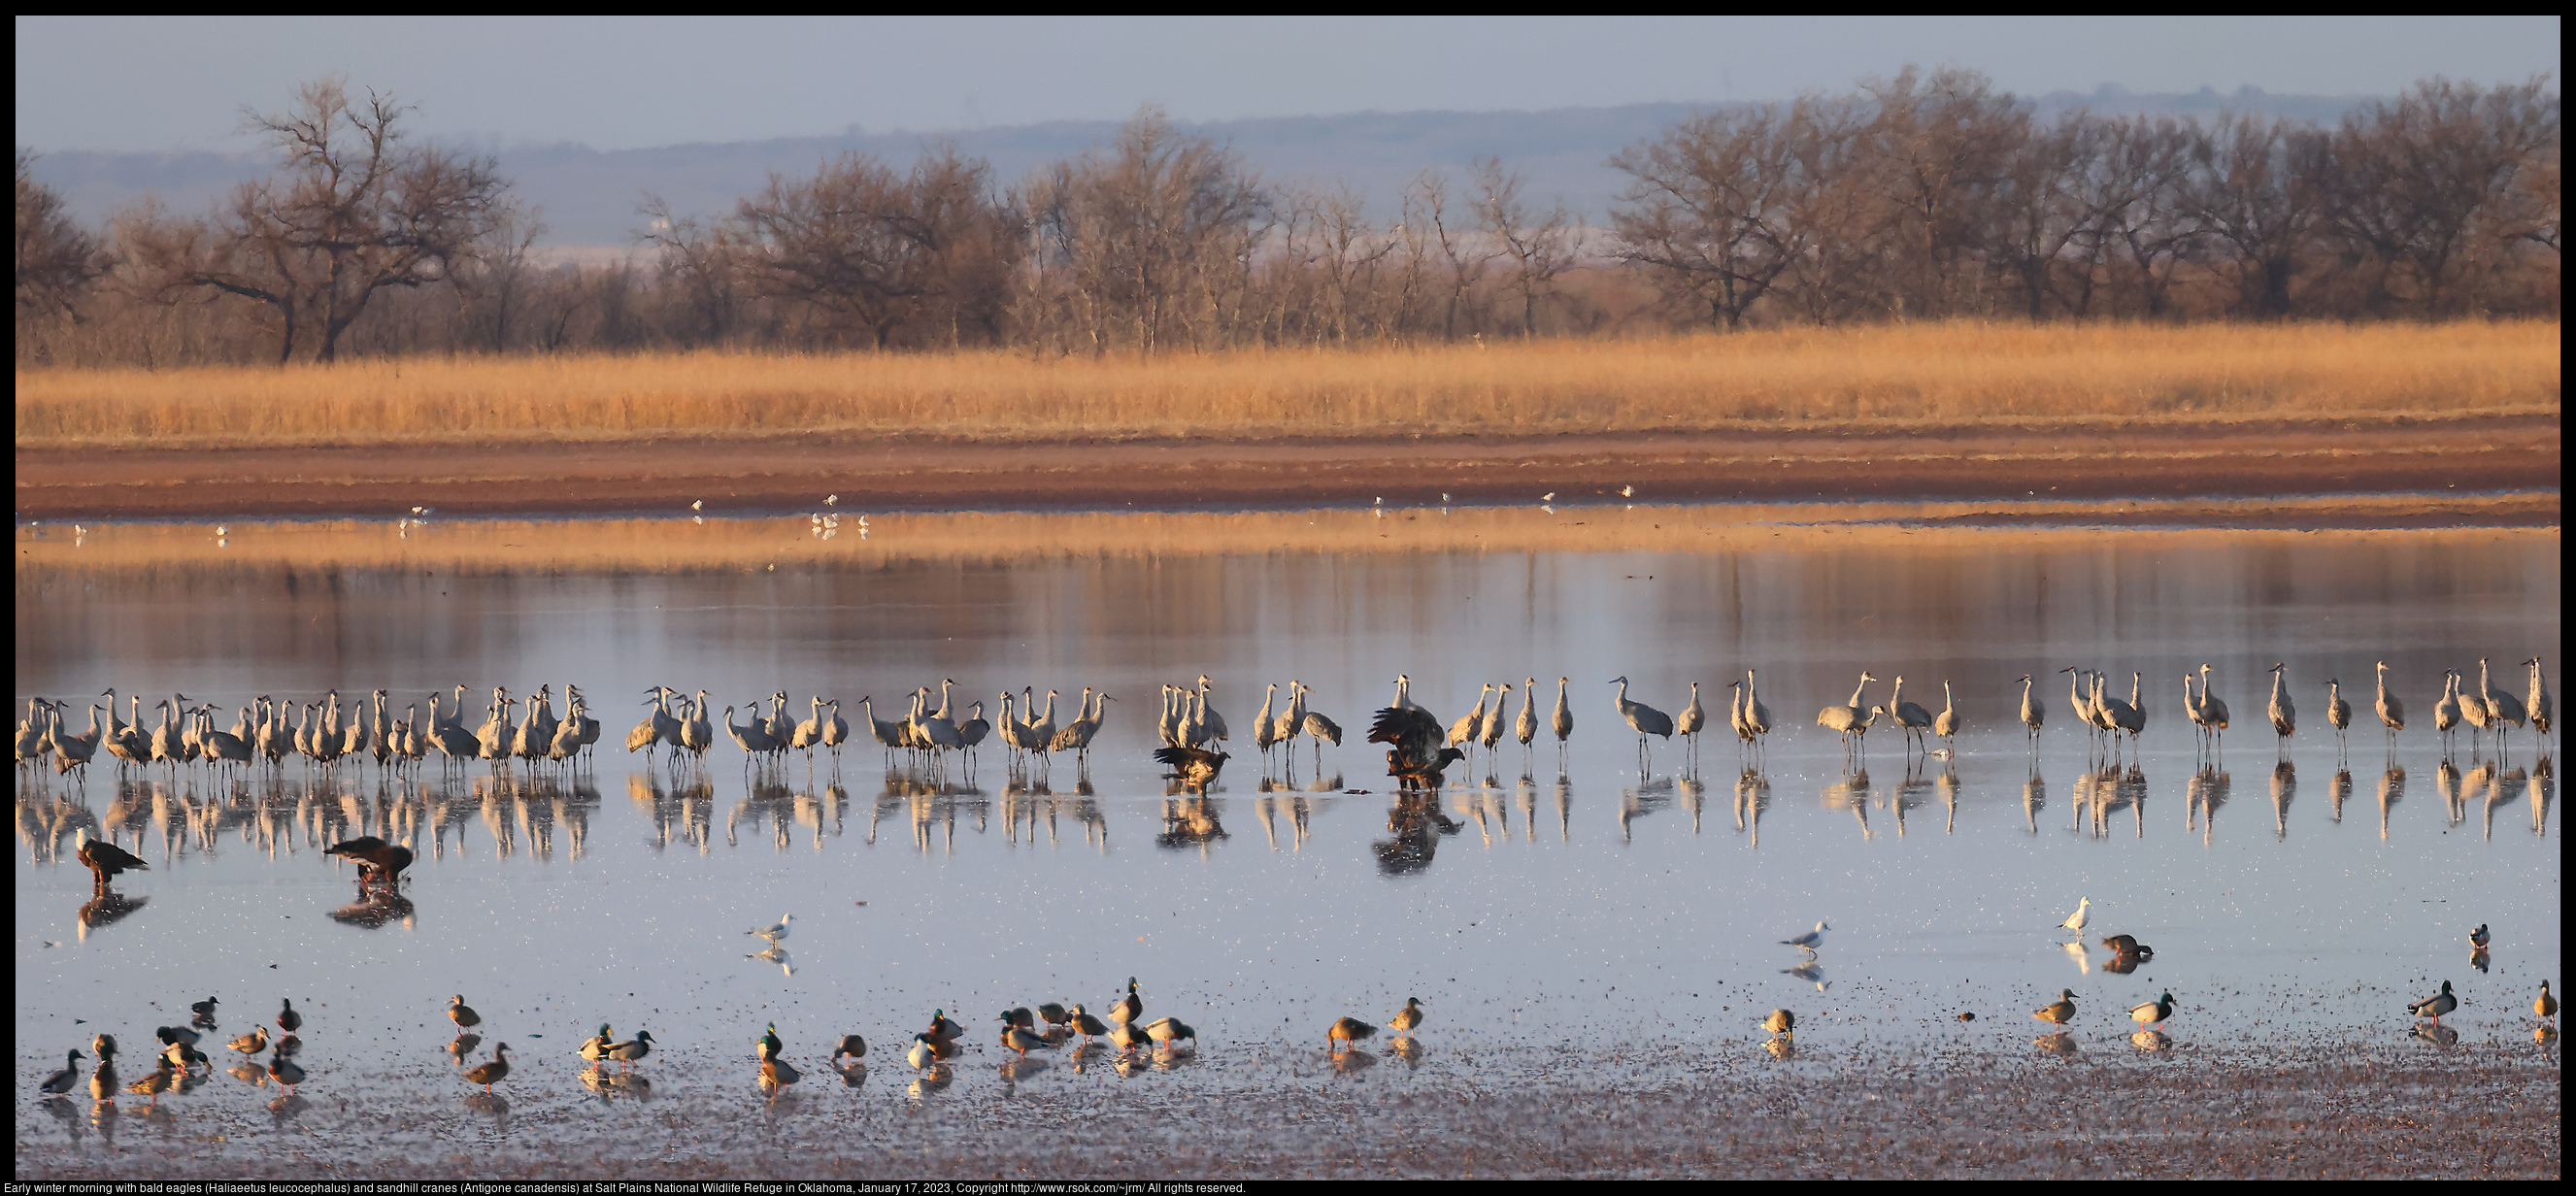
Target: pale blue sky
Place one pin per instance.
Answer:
(159, 83)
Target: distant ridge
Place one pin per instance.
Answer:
(589, 195)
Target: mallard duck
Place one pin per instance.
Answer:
(62, 1081)
(768, 1046)
(778, 1073)
(2062, 1012)
(494, 1072)
(2545, 1005)
(463, 1014)
(286, 1072)
(597, 1046)
(253, 1042)
(287, 1018)
(176, 1034)
(1127, 1036)
(1088, 1026)
(1407, 1019)
(921, 1055)
(628, 1052)
(155, 1082)
(2436, 1005)
(1018, 1038)
(102, 1080)
(2154, 1012)
(1054, 1014)
(851, 1045)
(185, 1056)
(2478, 937)
(103, 1046)
(1170, 1030)
(1129, 1007)
(943, 1028)
(205, 1009)
(1021, 1017)
(1781, 1021)
(2122, 944)
(1347, 1030)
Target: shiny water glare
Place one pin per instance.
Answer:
(2297, 891)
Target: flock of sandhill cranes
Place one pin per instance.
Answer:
(323, 733)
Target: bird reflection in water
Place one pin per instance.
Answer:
(2151, 1041)
(462, 1047)
(1910, 793)
(1190, 821)
(1407, 1049)
(1412, 820)
(1852, 792)
(1811, 971)
(1352, 1061)
(492, 1103)
(1637, 801)
(2203, 794)
(931, 1082)
(106, 909)
(1781, 1048)
(611, 1085)
(2061, 1044)
(2440, 1036)
(2544, 791)
(2392, 789)
(2339, 791)
(2502, 790)
(375, 907)
(778, 955)
(2285, 785)
(2034, 796)
(1949, 785)
(1752, 797)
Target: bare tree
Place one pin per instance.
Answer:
(1540, 246)
(1944, 143)
(1706, 214)
(2255, 191)
(1151, 245)
(2145, 168)
(353, 210)
(57, 259)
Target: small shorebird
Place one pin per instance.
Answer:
(1347, 1031)
(2062, 1011)
(776, 932)
(1810, 940)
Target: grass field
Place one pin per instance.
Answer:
(1955, 373)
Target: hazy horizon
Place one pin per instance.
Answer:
(181, 84)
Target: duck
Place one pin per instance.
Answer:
(851, 1045)
(286, 1072)
(457, 1011)
(1129, 1007)
(253, 1042)
(597, 1046)
(103, 1046)
(62, 1081)
(2154, 1012)
(1347, 1030)
(1407, 1019)
(176, 1034)
(1053, 1014)
(628, 1052)
(494, 1072)
(2062, 1011)
(2436, 1005)
(942, 1028)
(2128, 945)
(2544, 1005)
(922, 1054)
(768, 1045)
(288, 1019)
(2478, 937)
(159, 1080)
(1091, 1027)
(1019, 1038)
(1021, 1017)
(778, 1073)
(185, 1056)
(1170, 1030)
(1781, 1021)
(102, 1080)
(1127, 1036)
(205, 1009)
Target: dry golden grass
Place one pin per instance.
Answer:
(666, 545)
(1955, 372)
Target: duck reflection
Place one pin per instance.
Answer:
(1413, 821)
(2060, 1045)
(1352, 1062)
(1407, 1049)
(611, 1085)
(1781, 1048)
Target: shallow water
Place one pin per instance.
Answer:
(1533, 907)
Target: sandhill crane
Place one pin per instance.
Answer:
(2338, 711)
(809, 733)
(2540, 706)
(1464, 732)
(2034, 713)
(1561, 722)
(2213, 711)
(1848, 716)
(2447, 709)
(971, 733)
(1492, 732)
(1757, 717)
(1015, 731)
(566, 742)
(1318, 728)
(752, 738)
(1404, 693)
(165, 738)
(1042, 728)
(2392, 713)
(1910, 716)
(940, 727)
(1735, 715)
(76, 751)
(1946, 723)
(697, 731)
(1167, 725)
(658, 725)
(541, 715)
(1265, 731)
(836, 731)
(1292, 721)
(2076, 698)
(1076, 737)
(2503, 709)
(222, 746)
(578, 714)
(1645, 720)
(1214, 722)
(2474, 709)
(2285, 715)
(1688, 725)
(1525, 727)
(2116, 716)
(492, 738)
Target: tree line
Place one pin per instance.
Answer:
(1922, 196)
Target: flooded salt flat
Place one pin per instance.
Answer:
(1552, 917)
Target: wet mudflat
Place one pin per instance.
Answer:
(1594, 944)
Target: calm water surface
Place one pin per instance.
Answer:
(1541, 911)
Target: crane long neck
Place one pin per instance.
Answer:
(1856, 690)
